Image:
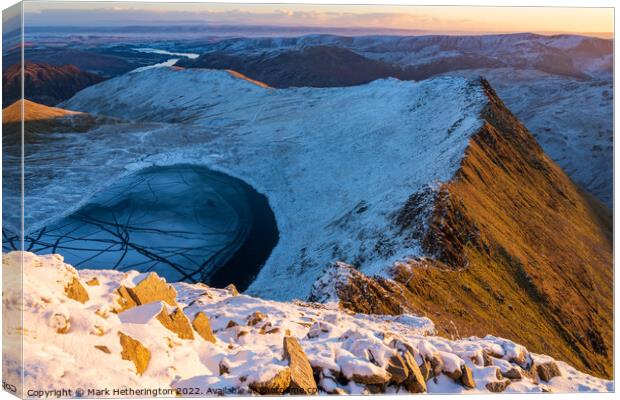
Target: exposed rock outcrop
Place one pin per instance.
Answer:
(74, 290)
(275, 385)
(415, 381)
(397, 368)
(497, 386)
(467, 378)
(150, 289)
(135, 352)
(202, 325)
(548, 370)
(177, 322)
(354, 290)
(302, 377)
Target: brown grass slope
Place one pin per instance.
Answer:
(517, 250)
(41, 120)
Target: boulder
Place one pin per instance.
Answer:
(93, 282)
(74, 290)
(224, 368)
(255, 318)
(202, 325)
(329, 385)
(486, 357)
(135, 352)
(274, 386)
(176, 322)
(547, 371)
(454, 375)
(103, 348)
(232, 289)
(498, 386)
(436, 365)
(402, 346)
(125, 301)
(513, 373)
(231, 324)
(467, 378)
(425, 369)
(302, 377)
(397, 367)
(61, 323)
(416, 381)
(372, 379)
(153, 288)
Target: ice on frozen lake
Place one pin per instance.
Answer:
(184, 222)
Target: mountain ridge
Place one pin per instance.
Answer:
(505, 176)
(428, 131)
(44, 83)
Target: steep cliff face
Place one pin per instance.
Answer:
(516, 248)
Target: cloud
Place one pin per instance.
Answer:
(123, 16)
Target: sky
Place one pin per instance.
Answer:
(440, 19)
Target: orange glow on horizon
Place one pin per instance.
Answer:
(446, 19)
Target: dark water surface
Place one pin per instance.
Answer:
(185, 222)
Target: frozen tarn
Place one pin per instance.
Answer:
(64, 339)
(336, 164)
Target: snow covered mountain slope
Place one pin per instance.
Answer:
(559, 86)
(510, 235)
(567, 55)
(325, 162)
(193, 340)
(435, 184)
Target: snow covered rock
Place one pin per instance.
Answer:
(342, 283)
(351, 354)
(548, 370)
(275, 385)
(467, 378)
(498, 386)
(147, 288)
(397, 368)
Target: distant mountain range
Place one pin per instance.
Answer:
(560, 86)
(420, 57)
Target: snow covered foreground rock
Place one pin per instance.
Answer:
(111, 330)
